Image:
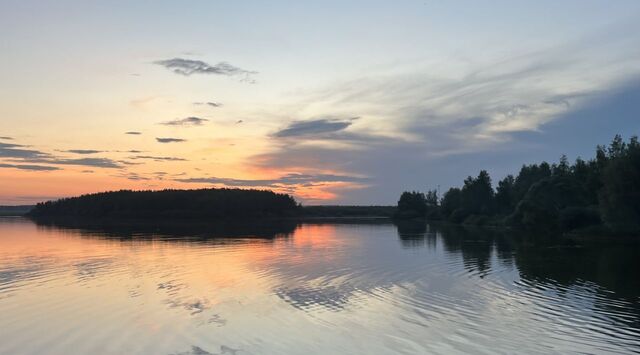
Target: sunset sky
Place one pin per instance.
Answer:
(335, 102)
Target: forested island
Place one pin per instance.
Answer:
(600, 195)
(183, 204)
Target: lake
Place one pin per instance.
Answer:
(333, 288)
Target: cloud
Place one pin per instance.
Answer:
(289, 179)
(156, 158)
(92, 162)
(314, 127)
(170, 140)
(9, 150)
(133, 133)
(84, 151)
(29, 167)
(17, 154)
(135, 177)
(189, 121)
(188, 67)
(7, 138)
(210, 103)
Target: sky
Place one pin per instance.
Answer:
(334, 102)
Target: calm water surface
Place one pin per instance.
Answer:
(311, 289)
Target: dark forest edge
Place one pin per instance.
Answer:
(203, 204)
(600, 196)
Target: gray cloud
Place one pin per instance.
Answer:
(314, 127)
(9, 150)
(133, 133)
(189, 121)
(210, 103)
(18, 154)
(28, 167)
(156, 158)
(188, 67)
(170, 140)
(136, 177)
(7, 138)
(84, 151)
(91, 162)
(289, 179)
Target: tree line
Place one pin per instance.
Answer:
(199, 203)
(600, 193)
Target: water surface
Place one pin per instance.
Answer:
(312, 289)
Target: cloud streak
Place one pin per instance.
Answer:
(156, 158)
(210, 103)
(10, 150)
(189, 67)
(28, 167)
(84, 151)
(169, 140)
(186, 122)
(286, 180)
(314, 127)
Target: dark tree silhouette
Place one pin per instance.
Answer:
(201, 203)
(412, 205)
(601, 193)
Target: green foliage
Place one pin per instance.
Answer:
(504, 198)
(620, 194)
(451, 201)
(560, 197)
(477, 194)
(412, 205)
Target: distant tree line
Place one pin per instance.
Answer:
(200, 203)
(601, 193)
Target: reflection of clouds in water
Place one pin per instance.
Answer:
(171, 287)
(135, 291)
(88, 269)
(217, 319)
(224, 350)
(18, 273)
(23, 270)
(310, 298)
(195, 306)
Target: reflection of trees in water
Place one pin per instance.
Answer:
(615, 269)
(475, 246)
(186, 230)
(542, 261)
(415, 234)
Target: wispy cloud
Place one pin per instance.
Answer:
(188, 67)
(91, 162)
(170, 140)
(210, 103)
(83, 151)
(28, 167)
(314, 127)
(9, 150)
(7, 138)
(17, 153)
(189, 121)
(135, 133)
(289, 179)
(156, 158)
